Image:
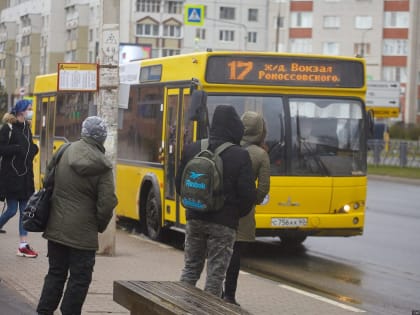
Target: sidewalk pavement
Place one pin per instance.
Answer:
(138, 258)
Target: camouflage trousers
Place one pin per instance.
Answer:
(214, 242)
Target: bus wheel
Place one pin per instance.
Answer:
(292, 240)
(153, 217)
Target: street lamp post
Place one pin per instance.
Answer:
(362, 49)
(233, 23)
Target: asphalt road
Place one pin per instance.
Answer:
(376, 272)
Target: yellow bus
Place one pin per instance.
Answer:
(317, 135)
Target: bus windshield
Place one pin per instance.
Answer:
(307, 136)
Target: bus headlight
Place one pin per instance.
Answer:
(344, 209)
(350, 206)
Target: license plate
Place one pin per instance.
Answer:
(289, 222)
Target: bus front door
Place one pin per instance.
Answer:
(177, 131)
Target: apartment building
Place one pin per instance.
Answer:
(36, 34)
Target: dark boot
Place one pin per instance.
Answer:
(230, 300)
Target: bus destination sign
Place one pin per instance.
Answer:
(285, 71)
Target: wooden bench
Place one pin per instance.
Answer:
(169, 297)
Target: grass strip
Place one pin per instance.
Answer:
(396, 171)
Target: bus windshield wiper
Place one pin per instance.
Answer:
(314, 155)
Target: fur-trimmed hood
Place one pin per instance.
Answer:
(9, 118)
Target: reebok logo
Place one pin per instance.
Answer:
(191, 184)
(192, 204)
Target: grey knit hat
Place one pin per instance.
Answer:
(94, 127)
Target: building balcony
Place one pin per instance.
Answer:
(27, 30)
(72, 23)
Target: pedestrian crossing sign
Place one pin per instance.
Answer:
(194, 15)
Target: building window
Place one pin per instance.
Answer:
(252, 37)
(147, 29)
(363, 22)
(227, 13)
(226, 36)
(72, 34)
(71, 12)
(148, 6)
(172, 31)
(395, 47)
(170, 52)
(200, 33)
(331, 48)
(70, 56)
(300, 46)
(173, 7)
(361, 49)
(278, 22)
(394, 74)
(253, 15)
(90, 35)
(26, 40)
(396, 19)
(331, 22)
(301, 19)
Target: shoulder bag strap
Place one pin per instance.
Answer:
(49, 177)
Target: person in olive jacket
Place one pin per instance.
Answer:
(212, 234)
(81, 206)
(252, 141)
(17, 151)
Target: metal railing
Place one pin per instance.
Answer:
(402, 153)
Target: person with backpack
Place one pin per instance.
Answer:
(252, 141)
(211, 233)
(17, 151)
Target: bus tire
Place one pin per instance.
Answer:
(292, 240)
(153, 224)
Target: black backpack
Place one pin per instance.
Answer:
(202, 180)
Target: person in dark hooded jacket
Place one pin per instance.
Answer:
(211, 235)
(17, 151)
(82, 205)
(252, 141)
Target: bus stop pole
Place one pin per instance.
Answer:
(108, 59)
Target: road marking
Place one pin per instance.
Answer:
(323, 299)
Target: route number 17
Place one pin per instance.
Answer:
(239, 69)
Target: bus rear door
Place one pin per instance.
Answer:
(46, 111)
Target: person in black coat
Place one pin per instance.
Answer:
(211, 235)
(17, 152)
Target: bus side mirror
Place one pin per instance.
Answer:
(370, 123)
(198, 104)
